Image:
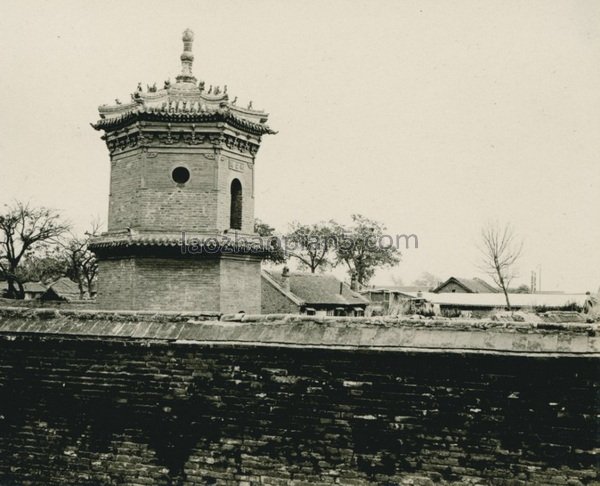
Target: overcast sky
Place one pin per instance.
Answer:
(432, 117)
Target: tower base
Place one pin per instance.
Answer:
(222, 283)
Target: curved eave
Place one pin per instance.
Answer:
(125, 244)
(116, 123)
(172, 247)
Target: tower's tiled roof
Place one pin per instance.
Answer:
(179, 111)
(186, 100)
(207, 243)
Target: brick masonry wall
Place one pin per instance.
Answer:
(227, 285)
(234, 165)
(274, 302)
(115, 283)
(125, 182)
(240, 284)
(116, 411)
(188, 207)
(159, 284)
(144, 196)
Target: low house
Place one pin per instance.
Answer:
(309, 293)
(393, 300)
(64, 289)
(32, 290)
(462, 304)
(465, 285)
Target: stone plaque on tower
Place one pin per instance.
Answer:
(181, 205)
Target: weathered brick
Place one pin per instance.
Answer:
(114, 411)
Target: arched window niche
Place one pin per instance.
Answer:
(235, 213)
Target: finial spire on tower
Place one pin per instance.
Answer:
(187, 58)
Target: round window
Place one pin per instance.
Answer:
(180, 175)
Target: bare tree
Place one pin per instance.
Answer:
(45, 264)
(427, 280)
(22, 230)
(81, 263)
(500, 249)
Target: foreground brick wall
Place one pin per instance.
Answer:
(99, 408)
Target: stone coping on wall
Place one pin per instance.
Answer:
(393, 334)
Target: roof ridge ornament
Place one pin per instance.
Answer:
(166, 104)
(187, 58)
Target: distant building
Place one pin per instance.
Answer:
(309, 293)
(32, 290)
(464, 304)
(465, 285)
(393, 300)
(409, 288)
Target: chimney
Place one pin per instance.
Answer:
(285, 279)
(354, 282)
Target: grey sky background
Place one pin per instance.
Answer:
(433, 117)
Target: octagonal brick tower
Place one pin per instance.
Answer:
(181, 206)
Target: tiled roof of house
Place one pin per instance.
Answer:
(474, 285)
(277, 284)
(65, 288)
(27, 286)
(319, 289)
(34, 287)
